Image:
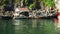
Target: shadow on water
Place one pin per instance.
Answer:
(27, 26)
(6, 27)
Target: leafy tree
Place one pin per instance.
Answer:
(49, 3)
(2, 2)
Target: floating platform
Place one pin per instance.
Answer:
(6, 17)
(48, 17)
(9, 17)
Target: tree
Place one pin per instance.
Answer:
(2, 2)
(49, 3)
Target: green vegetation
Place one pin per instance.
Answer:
(2, 2)
(30, 3)
(49, 3)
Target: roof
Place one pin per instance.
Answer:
(23, 9)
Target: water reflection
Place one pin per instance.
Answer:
(6, 27)
(27, 26)
(57, 25)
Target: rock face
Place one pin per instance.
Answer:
(57, 4)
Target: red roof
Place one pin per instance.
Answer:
(24, 9)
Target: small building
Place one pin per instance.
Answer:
(21, 12)
(21, 9)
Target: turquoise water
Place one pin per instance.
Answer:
(27, 26)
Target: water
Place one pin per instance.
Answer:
(27, 26)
